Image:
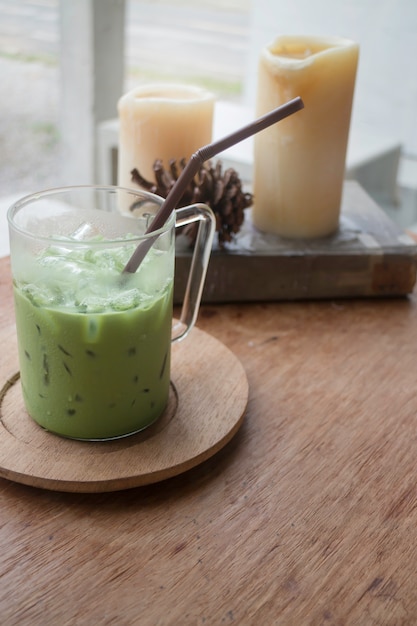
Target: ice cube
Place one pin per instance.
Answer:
(85, 232)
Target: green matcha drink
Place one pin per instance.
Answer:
(92, 366)
(95, 339)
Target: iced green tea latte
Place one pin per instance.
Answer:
(94, 353)
(94, 336)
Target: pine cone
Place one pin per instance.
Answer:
(222, 192)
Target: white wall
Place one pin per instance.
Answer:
(386, 87)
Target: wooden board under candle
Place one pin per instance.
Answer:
(369, 256)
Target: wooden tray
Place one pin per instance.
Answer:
(369, 256)
(209, 394)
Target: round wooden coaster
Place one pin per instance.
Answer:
(208, 398)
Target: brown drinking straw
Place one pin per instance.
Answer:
(193, 165)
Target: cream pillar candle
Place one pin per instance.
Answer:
(300, 163)
(161, 121)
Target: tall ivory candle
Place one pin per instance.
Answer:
(300, 163)
(161, 121)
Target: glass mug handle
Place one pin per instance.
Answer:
(202, 249)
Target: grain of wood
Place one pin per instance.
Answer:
(308, 515)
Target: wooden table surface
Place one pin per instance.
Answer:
(308, 516)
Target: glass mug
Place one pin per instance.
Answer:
(94, 344)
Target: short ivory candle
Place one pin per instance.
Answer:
(161, 121)
(300, 163)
